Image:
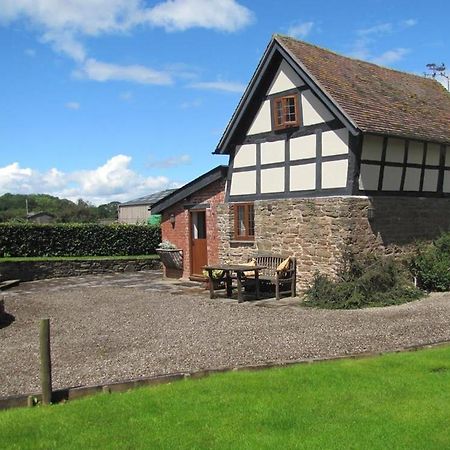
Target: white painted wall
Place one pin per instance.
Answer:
(372, 148)
(303, 177)
(334, 174)
(272, 180)
(335, 142)
(262, 122)
(314, 111)
(433, 154)
(272, 152)
(395, 150)
(368, 178)
(412, 179)
(285, 79)
(243, 183)
(245, 155)
(302, 147)
(430, 180)
(415, 152)
(392, 178)
(446, 187)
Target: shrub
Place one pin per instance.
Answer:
(77, 240)
(361, 283)
(431, 265)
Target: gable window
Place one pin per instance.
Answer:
(244, 222)
(285, 112)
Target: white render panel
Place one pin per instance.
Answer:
(433, 154)
(272, 152)
(314, 111)
(285, 79)
(430, 180)
(243, 183)
(245, 156)
(303, 177)
(262, 122)
(368, 177)
(395, 150)
(372, 148)
(272, 180)
(447, 156)
(415, 152)
(303, 147)
(335, 142)
(412, 179)
(392, 178)
(446, 187)
(334, 174)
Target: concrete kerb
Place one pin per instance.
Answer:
(72, 393)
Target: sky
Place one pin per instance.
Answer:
(110, 100)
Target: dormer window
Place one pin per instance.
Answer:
(285, 112)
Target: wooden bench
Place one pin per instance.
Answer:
(283, 280)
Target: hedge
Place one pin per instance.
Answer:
(77, 240)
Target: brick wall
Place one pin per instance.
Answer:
(179, 234)
(317, 231)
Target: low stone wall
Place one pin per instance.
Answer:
(38, 270)
(319, 230)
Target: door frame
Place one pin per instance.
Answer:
(191, 253)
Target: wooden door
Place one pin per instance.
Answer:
(199, 254)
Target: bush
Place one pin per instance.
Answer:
(431, 265)
(77, 240)
(361, 283)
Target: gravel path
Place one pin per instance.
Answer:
(110, 328)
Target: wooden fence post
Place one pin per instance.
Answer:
(46, 364)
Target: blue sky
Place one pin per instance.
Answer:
(113, 99)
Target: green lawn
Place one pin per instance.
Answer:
(73, 258)
(397, 401)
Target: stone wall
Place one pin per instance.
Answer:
(37, 270)
(319, 230)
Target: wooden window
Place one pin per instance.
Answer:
(244, 222)
(285, 112)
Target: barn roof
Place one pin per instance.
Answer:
(148, 199)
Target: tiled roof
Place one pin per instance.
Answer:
(149, 199)
(377, 99)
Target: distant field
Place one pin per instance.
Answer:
(74, 258)
(396, 401)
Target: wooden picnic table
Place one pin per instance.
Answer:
(228, 270)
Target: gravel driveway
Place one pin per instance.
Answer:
(111, 328)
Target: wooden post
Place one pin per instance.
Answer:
(46, 364)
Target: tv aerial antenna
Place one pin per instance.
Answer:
(438, 70)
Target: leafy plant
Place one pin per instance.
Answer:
(431, 264)
(77, 240)
(167, 245)
(370, 281)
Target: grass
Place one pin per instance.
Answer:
(72, 258)
(396, 401)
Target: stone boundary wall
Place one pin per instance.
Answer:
(318, 231)
(38, 270)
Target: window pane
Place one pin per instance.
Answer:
(290, 109)
(251, 220)
(279, 112)
(241, 221)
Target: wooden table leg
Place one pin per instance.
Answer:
(228, 284)
(257, 284)
(211, 284)
(239, 287)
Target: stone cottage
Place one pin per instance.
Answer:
(327, 152)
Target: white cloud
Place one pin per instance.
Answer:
(102, 71)
(225, 15)
(191, 104)
(64, 23)
(390, 56)
(409, 22)
(72, 105)
(126, 96)
(30, 52)
(301, 29)
(114, 180)
(173, 161)
(379, 29)
(226, 86)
